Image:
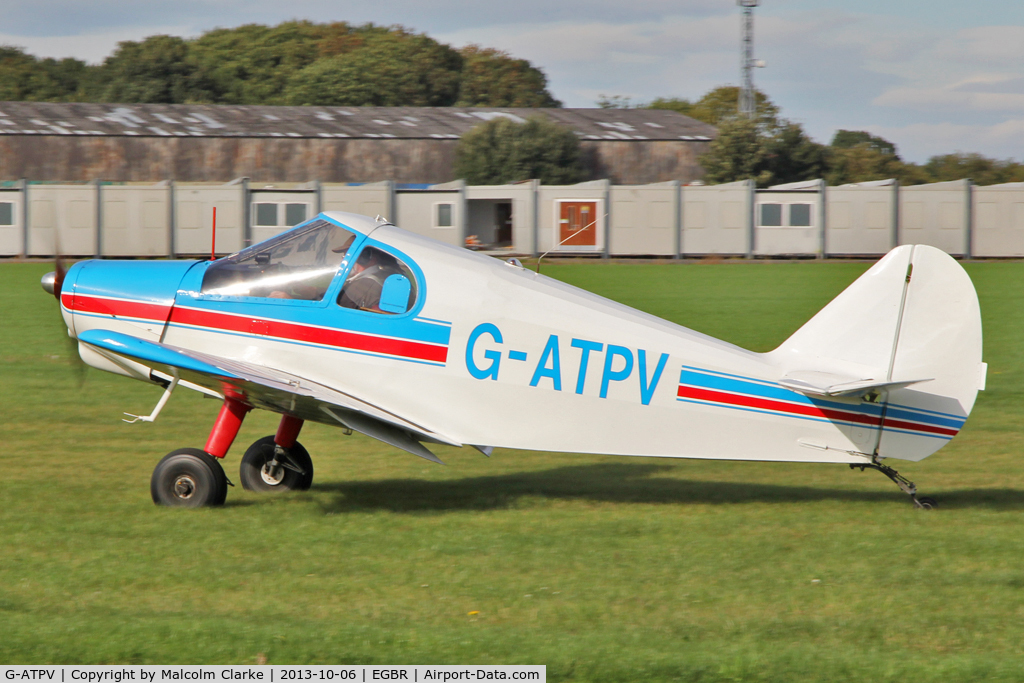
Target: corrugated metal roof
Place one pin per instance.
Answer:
(203, 120)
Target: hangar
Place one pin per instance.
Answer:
(48, 141)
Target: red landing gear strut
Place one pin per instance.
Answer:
(226, 427)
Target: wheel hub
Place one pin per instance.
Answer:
(184, 487)
(272, 475)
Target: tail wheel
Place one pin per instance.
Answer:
(189, 477)
(290, 471)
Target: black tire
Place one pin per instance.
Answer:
(928, 503)
(189, 477)
(255, 476)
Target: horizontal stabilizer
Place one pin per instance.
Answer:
(816, 383)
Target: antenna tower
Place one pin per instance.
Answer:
(747, 62)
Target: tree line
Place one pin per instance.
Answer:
(773, 150)
(293, 63)
(340, 64)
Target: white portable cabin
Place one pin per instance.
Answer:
(135, 219)
(435, 211)
(62, 218)
(999, 220)
(937, 215)
(502, 216)
(645, 220)
(276, 207)
(367, 199)
(193, 217)
(788, 219)
(716, 219)
(12, 228)
(861, 218)
(573, 219)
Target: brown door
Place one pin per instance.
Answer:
(578, 224)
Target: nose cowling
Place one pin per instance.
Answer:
(134, 297)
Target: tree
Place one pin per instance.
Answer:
(793, 156)
(503, 151)
(390, 69)
(770, 153)
(737, 153)
(614, 102)
(982, 170)
(723, 103)
(154, 70)
(846, 139)
(677, 104)
(252, 64)
(491, 78)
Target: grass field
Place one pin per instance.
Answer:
(601, 568)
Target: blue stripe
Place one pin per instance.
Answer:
(750, 387)
(363, 322)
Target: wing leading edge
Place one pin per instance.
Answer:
(273, 389)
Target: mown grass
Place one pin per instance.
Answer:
(602, 568)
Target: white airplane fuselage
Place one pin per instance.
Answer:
(497, 355)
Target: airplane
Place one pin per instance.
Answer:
(353, 322)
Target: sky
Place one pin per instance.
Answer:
(932, 76)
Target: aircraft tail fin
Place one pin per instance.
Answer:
(906, 334)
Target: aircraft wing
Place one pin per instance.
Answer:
(829, 384)
(273, 389)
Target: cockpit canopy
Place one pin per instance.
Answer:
(302, 263)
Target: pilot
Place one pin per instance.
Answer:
(363, 288)
(314, 288)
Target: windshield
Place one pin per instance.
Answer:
(298, 264)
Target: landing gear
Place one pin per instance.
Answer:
(267, 466)
(188, 477)
(905, 484)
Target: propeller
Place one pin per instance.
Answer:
(53, 283)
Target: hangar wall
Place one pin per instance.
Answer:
(592, 218)
(126, 159)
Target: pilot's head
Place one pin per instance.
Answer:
(347, 239)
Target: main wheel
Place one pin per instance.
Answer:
(928, 503)
(293, 472)
(188, 477)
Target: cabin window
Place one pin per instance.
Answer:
(278, 214)
(800, 215)
(6, 213)
(380, 283)
(298, 264)
(771, 215)
(294, 214)
(443, 215)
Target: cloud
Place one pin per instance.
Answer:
(918, 141)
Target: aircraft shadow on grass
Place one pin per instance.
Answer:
(611, 483)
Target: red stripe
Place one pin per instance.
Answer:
(314, 335)
(128, 309)
(804, 409)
